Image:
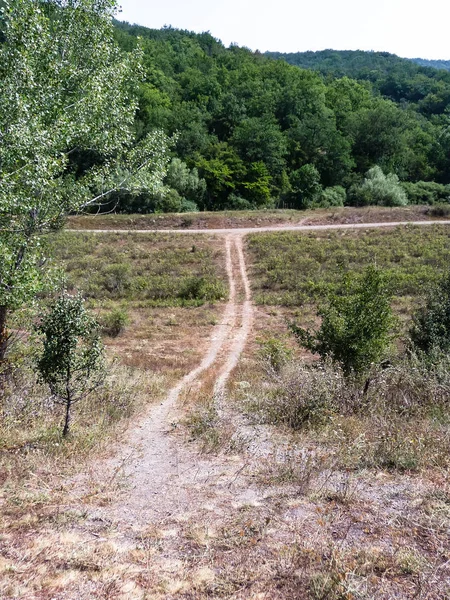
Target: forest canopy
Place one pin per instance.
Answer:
(254, 131)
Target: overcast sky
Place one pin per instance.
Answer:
(409, 28)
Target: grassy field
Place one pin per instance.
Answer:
(297, 269)
(352, 486)
(143, 270)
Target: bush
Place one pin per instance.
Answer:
(378, 188)
(439, 211)
(116, 279)
(71, 361)
(356, 324)
(430, 332)
(426, 192)
(236, 202)
(332, 196)
(399, 422)
(188, 206)
(274, 353)
(169, 202)
(301, 395)
(114, 322)
(203, 288)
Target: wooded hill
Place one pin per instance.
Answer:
(253, 131)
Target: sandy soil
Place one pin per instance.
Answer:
(161, 474)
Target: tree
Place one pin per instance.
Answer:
(186, 182)
(305, 187)
(356, 324)
(66, 130)
(430, 331)
(378, 188)
(71, 362)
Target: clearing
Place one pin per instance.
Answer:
(202, 497)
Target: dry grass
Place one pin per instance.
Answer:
(51, 543)
(227, 219)
(344, 507)
(142, 270)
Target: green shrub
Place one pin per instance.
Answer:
(426, 192)
(186, 182)
(274, 353)
(378, 188)
(356, 323)
(71, 362)
(332, 196)
(439, 211)
(168, 202)
(236, 202)
(114, 322)
(206, 289)
(188, 206)
(430, 332)
(116, 279)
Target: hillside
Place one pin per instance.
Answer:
(254, 132)
(417, 81)
(436, 64)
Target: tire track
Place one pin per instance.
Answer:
(246, 321)
(159, 477)
(165, 476)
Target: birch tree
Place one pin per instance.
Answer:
(66, 91)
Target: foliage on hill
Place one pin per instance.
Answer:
(398, 79)
(252, 130)
(435, 64)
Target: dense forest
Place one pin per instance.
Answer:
(436, 64)
(253, 131)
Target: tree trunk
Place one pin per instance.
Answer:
(3, 333)
(3, 345)
(68, 416)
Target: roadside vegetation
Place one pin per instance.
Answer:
(354, 441)
(258, 218)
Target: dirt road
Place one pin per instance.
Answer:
(174, 504)
(160, 471)
(246, 230)
(162, 475)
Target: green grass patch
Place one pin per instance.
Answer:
(294, 269)
(144, 269)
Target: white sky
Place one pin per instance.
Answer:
(409, 28)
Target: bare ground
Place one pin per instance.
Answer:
(159, 519)
(255, 219)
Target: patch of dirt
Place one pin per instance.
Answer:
(252, 220)
(161, 475)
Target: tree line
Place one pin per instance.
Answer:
(252, 131)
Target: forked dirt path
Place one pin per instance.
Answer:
(163, 476)
(183, 524)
